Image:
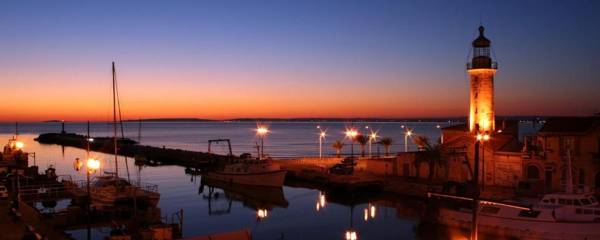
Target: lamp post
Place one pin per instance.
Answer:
(262, 131)
(92, 165)
(322, 135)
(372, 137)
(351, 134)
(481, 137)
(407, 134)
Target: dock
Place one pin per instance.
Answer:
(129, 148)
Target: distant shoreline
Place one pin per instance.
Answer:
(316, 120)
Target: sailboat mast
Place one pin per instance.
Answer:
(114, 89)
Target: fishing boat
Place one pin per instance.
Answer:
(257, 172)
(110, 189)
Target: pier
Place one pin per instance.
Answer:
(148, 154)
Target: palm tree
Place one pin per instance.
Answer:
(362, 140)
(338, 145)
(387, 144)
(430, 153)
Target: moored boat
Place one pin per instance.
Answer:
(250, 172)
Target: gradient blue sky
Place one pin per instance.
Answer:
(223, 59)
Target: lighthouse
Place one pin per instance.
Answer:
(481, 70)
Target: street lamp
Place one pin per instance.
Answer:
(262, 131)
(322, 135)
(407, 134)
(19, 145)
(372, 137)
(479, 139)
(351, 134)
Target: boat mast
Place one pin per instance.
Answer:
(114, 75)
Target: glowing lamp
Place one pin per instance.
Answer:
(486, 137)
(19, 144)
(373, 135)
(92, 165)
(262, 130)
(351, 133)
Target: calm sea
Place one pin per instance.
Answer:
(394, 216)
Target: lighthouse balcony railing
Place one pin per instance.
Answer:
(477, 65)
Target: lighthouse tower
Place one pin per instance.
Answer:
(481, 69)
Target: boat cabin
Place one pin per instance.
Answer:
(563, 199)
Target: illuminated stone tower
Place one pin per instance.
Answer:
(481, 69)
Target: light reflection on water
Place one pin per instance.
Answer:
(298, 220)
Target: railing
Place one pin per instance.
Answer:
(478, 65)
(82, 184)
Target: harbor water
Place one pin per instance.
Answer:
(295, 212)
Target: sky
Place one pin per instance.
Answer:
(287, 59)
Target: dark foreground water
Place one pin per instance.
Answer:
(292, 212)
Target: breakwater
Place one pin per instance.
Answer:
(129, 148)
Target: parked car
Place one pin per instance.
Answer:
(344, 168)
(3, 192)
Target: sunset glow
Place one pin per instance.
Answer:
(56, 64)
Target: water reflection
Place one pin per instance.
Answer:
(321, 201)
(260, 199)
(296, 211)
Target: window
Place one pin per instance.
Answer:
(553, 201)
(489, 209)
(597, 212)
(530, 214)
(561, 201)
(578, 211)
(588, 211)
(577, 202)
(569, 202)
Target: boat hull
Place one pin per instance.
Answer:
(268, 179)
(520, 228)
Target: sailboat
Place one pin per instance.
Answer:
(110, 189)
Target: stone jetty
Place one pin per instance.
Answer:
(129, 148)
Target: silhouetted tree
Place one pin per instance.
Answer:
(338, 146)
(387, 144)
(431, 153)
(362, 140)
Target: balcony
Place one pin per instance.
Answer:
(482, 63)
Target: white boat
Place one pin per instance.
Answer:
(565, 215)
(250, 172)
(571, 216)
